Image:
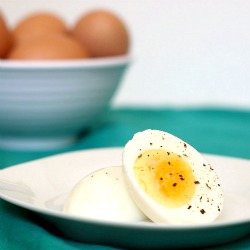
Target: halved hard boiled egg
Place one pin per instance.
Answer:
(169, 180)
(103, 195)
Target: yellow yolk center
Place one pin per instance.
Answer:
(166, 177)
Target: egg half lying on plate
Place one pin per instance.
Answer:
(103, 195)
(169, 180)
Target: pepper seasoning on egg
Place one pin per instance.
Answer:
(171, 181)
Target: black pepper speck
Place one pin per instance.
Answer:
(202, 211)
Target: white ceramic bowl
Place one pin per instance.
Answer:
(45, 105)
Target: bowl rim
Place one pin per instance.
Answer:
(75, 63)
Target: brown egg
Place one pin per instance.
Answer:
(5, 37)
(102, 33)
(51, 47)
(37, 25)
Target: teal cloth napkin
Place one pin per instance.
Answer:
(216, 131)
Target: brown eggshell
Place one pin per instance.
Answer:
(51, 47)
(5, 37)
(38, 24)
(102, 33)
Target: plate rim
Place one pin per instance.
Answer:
(139, 225)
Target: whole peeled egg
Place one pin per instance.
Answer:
(169, 180)
(5, 37)
(102, 33)
(38, 24)
(50, 47)
(102, 195)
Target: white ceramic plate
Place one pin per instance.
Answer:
(42, 186)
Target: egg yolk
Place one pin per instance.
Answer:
(166, 177)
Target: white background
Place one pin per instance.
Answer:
(189, 52)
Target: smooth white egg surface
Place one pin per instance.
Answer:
(103, 195)
(169, 180)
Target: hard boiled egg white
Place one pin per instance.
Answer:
(170, 180)
(103, 195)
